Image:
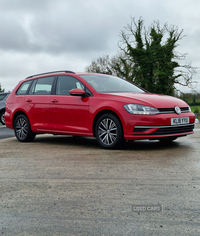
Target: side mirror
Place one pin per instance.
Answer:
(77, 92)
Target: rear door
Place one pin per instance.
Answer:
(38, 103)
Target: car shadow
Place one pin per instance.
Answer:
(67, 140)
(141, 145)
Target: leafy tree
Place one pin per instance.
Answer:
(117, 65)
(155, 65)
(1, 90)
(101, 65)
(148, 58)
(122, 66)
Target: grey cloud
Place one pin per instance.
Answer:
(24, 5)
(13, 35)
(46, 34)
(57, 29)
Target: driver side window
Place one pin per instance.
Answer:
(66, 83)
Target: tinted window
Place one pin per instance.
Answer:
(42, 86)
(23, 88)
(110, 84)
(67, 83)
(2, 96)
(32, 88)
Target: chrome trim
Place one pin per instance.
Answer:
(167, 126)
(167, 112)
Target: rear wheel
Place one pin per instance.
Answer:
(23, 130)
(2, 118)
(109, 132)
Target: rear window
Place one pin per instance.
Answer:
(42, 86)
(24, 88)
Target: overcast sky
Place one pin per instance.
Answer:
(45, 35)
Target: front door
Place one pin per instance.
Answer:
(69, 114)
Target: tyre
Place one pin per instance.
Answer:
(23, 130)
(167, 140)
(108, 130)
(2, 118)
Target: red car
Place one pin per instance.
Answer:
(95, 105)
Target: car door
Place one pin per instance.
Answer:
(69, 113)
(38, 103)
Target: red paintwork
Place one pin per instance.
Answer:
(77, 92)
(59, 114)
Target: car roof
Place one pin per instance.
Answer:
(5, 93)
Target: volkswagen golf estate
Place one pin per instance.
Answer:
(95, 105)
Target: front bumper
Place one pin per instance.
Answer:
(157, 126)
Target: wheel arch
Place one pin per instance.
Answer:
(17, 114)
(102, 112)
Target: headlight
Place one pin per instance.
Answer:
(141, 109)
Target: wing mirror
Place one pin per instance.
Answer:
(77, 92)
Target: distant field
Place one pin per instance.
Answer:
(193, 108)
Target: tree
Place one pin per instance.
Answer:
(154, 62)
(1, 90)
(122, 66)
(117, 65)
(101, 65)
(148, 58)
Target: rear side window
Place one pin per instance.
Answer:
(42, 86)
(23, 88)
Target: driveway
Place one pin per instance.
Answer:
(60, 185)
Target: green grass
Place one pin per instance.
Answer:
(193, 108)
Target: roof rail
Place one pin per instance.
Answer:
(65, 71)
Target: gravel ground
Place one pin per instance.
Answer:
(70, 186)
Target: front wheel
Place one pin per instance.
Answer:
(23, 130)
(108, 131)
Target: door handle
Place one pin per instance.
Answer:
(54, 101)
(28, 100)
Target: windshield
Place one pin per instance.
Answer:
(2, 96)
(110, 84)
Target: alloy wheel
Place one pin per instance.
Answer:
(107, 131)
(21, 128)
(2, 120)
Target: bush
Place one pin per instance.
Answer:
(196, 110)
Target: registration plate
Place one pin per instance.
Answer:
(180, 121)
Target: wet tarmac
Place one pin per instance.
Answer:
(5, 132)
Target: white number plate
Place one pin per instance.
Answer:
(180, 121)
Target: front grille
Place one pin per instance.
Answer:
(185, 109)
(171, 110)
(174, 130)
